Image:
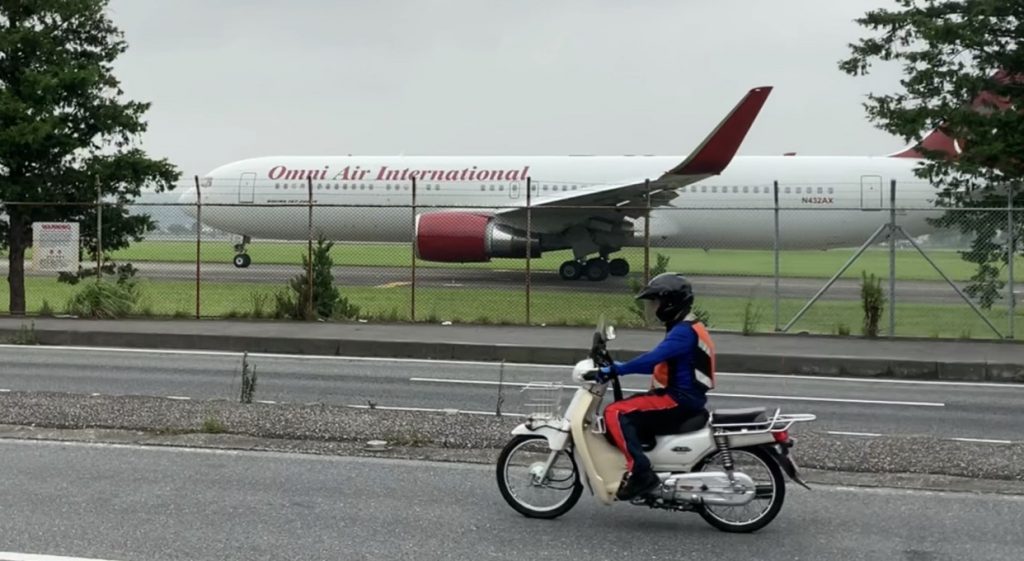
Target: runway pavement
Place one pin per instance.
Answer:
(934, 292)
(140, 504)
(867, 408)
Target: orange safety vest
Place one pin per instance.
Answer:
(703, 362)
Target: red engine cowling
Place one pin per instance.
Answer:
(464, 237)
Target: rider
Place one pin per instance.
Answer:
(683, 365)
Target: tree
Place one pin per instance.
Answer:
(327, 300)
(963, 66)
(65, 135)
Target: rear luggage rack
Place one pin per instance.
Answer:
(777, 423)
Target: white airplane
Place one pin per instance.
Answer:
(473, 209)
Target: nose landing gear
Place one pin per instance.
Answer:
(242, 259)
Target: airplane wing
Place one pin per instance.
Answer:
(628, 198)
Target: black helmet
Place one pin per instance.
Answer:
(672, 295)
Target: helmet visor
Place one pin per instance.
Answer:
(651, 311)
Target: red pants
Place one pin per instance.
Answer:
(628, 418)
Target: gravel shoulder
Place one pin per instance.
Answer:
(899, 462)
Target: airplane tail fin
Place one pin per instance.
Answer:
(940, 141)
(937, 140)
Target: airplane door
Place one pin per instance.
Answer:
(871, 192)
(513, 190)
(247, 187)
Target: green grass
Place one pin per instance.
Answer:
(549, 307)
(808, 264)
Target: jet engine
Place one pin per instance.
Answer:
(463, 237)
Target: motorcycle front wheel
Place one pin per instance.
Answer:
(519, 467)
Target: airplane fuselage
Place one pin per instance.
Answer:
(828, 201)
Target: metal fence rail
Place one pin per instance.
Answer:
(186, 266)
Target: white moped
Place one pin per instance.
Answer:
(726, 465)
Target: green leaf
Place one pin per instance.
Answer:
(963, 70)
(68, 136)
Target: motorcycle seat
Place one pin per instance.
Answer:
(689, 424)
(735, 416)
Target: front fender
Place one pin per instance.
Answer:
(557, 439)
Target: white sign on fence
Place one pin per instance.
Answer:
(55, 246)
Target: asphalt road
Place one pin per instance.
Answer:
(140, 504)
(934, 292)
(866, 407)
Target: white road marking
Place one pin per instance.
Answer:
(873, 380)
(834, 400)
(846, 433)
(178, 397)
(10, 556)
(482, 382)
(238, 354)
(5, 391)
(736, 395)
(429, 410)
(566, 367)
(267, 402)
(983, 440)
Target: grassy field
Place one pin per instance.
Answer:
(465, 305)
(808, 264)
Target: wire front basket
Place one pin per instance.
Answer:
(542, 400)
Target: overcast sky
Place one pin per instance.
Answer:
(231, 79)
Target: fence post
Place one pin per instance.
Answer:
(412, 285)
(99, 231)
(775, 185)
(647, 233)
(1011, 248)
(529, 243)
(199, 235)
(309, 251)
(892, 258)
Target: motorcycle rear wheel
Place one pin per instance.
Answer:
(711, 515)
(568, 485)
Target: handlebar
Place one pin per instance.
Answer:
(599, 354)
(599, 351)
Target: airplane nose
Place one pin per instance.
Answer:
(188, 198)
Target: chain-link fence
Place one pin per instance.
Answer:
(773, 256)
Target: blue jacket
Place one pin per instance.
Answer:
(677, 351)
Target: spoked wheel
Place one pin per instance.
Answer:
(768, 498)
(519, 467)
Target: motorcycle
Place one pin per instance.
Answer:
(725, 465)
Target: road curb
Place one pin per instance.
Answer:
(844, 366)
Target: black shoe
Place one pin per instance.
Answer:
(638, 484)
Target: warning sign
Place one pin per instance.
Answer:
(55, 246)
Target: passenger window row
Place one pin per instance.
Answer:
(766, 189)
(399, 187)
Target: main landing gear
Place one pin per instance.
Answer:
(596, 269)
(242, 259)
